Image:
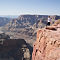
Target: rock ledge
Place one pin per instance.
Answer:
(47, 45)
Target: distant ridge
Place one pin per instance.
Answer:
(9, 16)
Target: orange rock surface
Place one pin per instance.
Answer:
(47, 45)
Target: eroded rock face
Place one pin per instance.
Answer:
(13, 49)
(47, 45)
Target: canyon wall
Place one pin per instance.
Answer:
(47, 45)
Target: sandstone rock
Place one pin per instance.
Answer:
(51, 27)
(47, 45)
(27, 54)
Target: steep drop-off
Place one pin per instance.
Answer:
(14, 49)
(47, 45)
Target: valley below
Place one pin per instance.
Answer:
(22, 34)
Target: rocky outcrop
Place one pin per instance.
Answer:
(47, 45)
(14, 49)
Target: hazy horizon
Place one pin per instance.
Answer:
(32, 7)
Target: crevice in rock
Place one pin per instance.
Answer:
(54, 42)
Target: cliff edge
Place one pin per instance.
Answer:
(47, 45)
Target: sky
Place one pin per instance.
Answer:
(39, 7)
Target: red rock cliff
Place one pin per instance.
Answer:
(47, 45)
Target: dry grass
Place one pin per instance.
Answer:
(57, 21)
